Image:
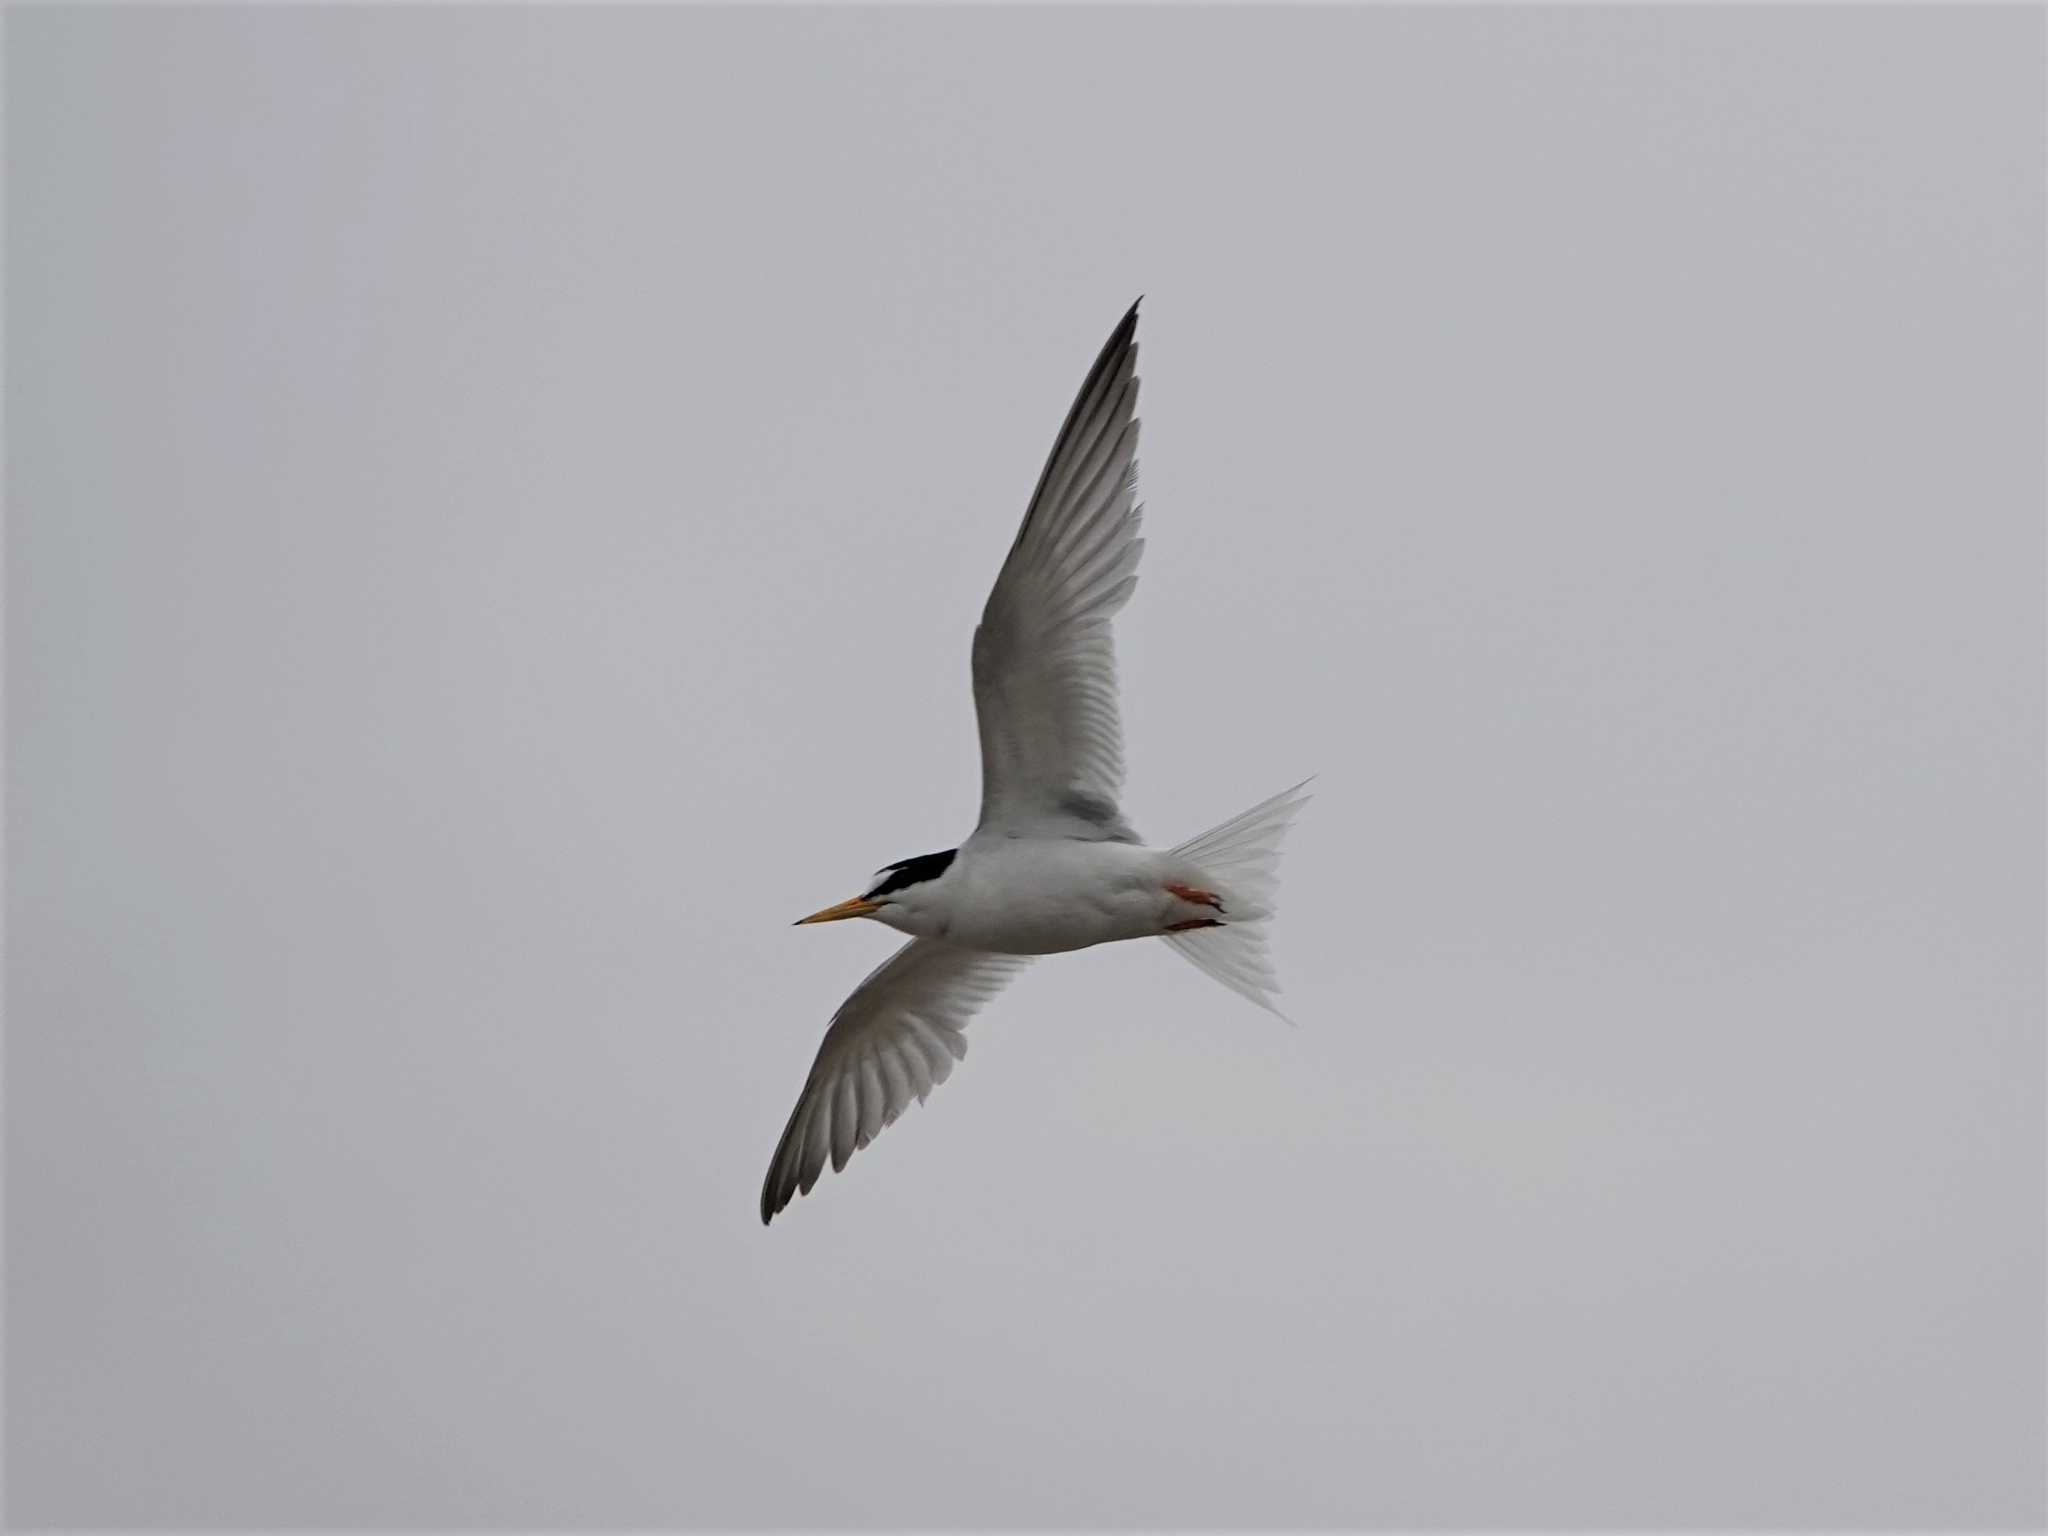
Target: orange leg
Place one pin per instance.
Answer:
(1195, 896)
(1193, 922)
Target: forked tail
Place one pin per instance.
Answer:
(1240, 860)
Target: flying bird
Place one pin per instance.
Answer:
(1052, 865)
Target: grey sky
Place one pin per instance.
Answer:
(497, 501)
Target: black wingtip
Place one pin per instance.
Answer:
(1124, 336)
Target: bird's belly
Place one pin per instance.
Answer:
(1042, 930)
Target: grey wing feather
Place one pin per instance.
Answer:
(1045, 685)
(892, 1041)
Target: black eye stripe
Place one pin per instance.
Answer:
(926, 866)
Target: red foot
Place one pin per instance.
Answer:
(1193, 922)
(1196, 896)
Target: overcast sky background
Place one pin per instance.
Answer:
(497, 503)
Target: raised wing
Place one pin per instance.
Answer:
(1052, 753)
(893, 1040)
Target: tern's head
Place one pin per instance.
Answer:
(897, 895)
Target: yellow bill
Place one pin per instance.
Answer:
(858, 906)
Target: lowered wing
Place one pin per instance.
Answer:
(892, 1041)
